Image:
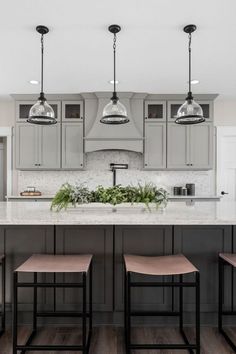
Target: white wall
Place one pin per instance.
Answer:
(7, 112)
(225, 112)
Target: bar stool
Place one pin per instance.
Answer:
(225, 259)
(160, 266)
(3, 286)
(43, 263)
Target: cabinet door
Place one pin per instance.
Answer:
(72, 111)
(18, 243)
(145, 241)
(95, 240)
(26, 145)
(72, 145)
(177, 146)
(201, 245)
(49, 146)
(155, 111)
(201, 146)
(155, 146)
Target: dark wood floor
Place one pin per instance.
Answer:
(109, 340)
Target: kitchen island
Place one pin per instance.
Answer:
(200, 231)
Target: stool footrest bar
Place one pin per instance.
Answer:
(162, 346)
(154, 313)
(162, 284)
(60, 314)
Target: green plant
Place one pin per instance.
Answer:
(68, 194)
(80, 194)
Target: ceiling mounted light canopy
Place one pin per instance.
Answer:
(190, 112)
(41, 112)
(114, 112)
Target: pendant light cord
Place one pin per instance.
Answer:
(190, 96)
(42, 54)
(189, 61)
(115, 98)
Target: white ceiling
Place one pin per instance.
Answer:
(152, 48)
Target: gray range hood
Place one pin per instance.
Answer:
(100, 136)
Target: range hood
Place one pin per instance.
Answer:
(99, 136)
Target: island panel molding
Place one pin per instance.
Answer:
(130, 240)
(95, 240)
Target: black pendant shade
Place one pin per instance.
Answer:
(41, 112)
(114, 112)
(190, 112)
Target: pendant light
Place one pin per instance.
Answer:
(114, 112)
(41, 112)
(190, 112)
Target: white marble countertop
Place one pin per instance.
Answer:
(200, 213)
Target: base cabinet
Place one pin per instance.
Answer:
(18, 244)
(95, 240)
(141, 240)
(201, 245)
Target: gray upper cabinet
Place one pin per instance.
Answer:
(173, 106)
(155, 146)
(201, 146)
(155, 111)
(177, 146)
(72, 145)
(26, 146)
(72, 111)
(190, 147)
(23, 107)
(49, 147)
(37, 147)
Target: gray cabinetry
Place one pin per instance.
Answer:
(190, 147)
(72, 111)
(26, 147)
(155, 111)
(155, 145)
(202, 244)
(177, 146)
(141, 240)
(37, 147)
(95, 240)
(50, 147)
(201, 146)
(72, 145)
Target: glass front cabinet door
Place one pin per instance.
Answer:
(155, 111)
(72, 111)
(23, 108)
(173, 106)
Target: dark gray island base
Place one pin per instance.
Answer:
(201, 244)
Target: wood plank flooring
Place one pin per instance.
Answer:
(109, 340)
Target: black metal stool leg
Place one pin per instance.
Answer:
(128, 310)
(15, 301)
(125, 307)
(181, 304)
(84, 329)
(35, 304)
(198, 312)
(221, 290)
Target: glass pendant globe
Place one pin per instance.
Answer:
(190, 113)
(114, 113)
(41, 113)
